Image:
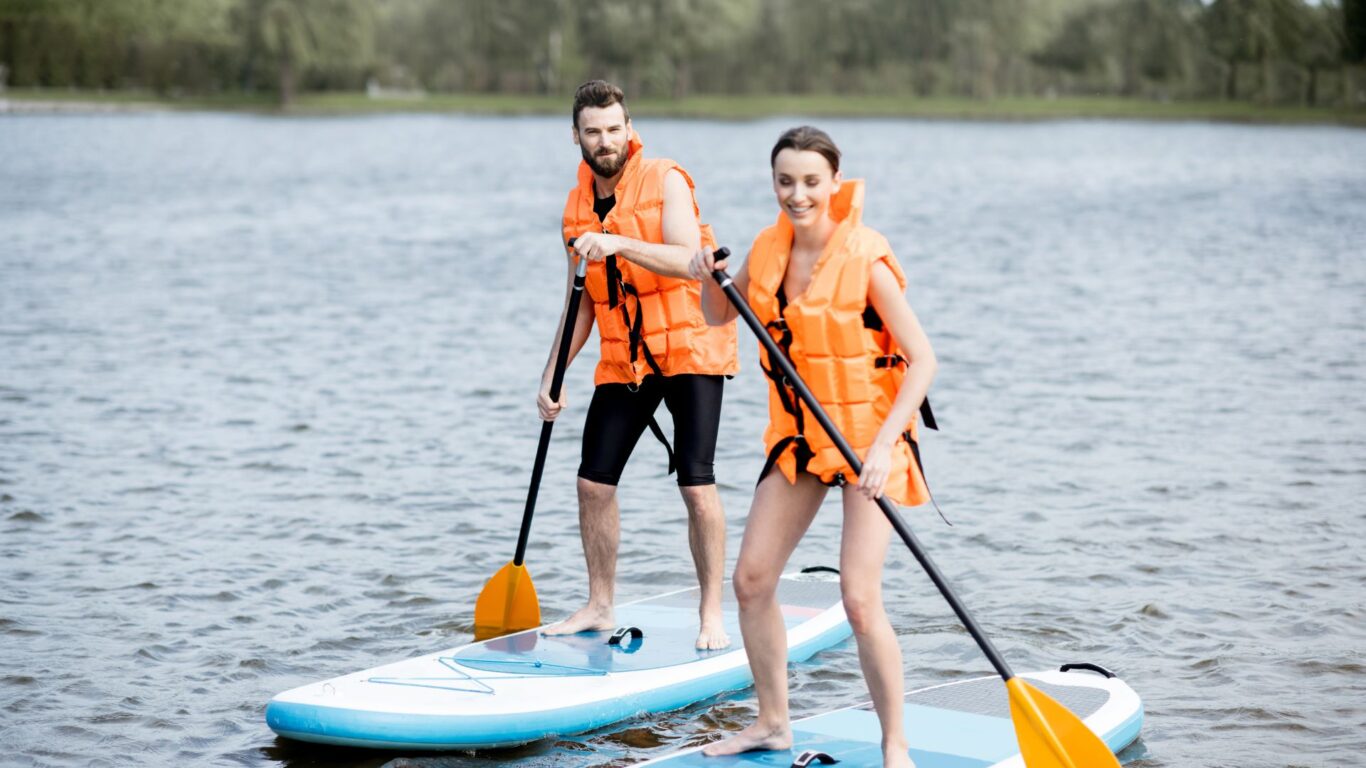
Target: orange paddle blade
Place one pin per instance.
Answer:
(1050, 735)
(507, 604)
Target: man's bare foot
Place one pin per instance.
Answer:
(587, 619)
(897, 756)
(711, 636)
(757, 736)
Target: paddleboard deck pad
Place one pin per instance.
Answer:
(526, 686)
(957, 725)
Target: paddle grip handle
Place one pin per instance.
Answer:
(776, 357)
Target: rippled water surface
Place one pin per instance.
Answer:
(266, 416)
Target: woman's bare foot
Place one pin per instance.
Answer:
(711, 636)
(589, 618)
(757, 736)
(897, 756)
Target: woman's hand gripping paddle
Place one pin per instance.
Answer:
(1050, 735)
(508, 602)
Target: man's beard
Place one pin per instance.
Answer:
(605, 166)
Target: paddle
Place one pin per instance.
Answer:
(508, 602)
(1049, 734)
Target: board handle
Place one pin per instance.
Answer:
(1087, 666)
(623, 632)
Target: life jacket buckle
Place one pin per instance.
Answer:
(888, 361)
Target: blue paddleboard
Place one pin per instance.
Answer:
(957, 725)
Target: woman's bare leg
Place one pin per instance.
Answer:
(863, 549)
(778, 518)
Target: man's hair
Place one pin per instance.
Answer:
(598, 93)
(803, 138)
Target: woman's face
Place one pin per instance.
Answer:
(804, 183)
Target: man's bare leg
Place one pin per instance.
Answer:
(707, 540)
(600, 529)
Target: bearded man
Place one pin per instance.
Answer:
(637, 223)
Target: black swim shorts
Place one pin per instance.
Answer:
(618, 416)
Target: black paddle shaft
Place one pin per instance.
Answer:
(571, 316)
(893, 516)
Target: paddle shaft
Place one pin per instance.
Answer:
(571, 316)
(893, 516)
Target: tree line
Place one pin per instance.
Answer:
(1269, 51)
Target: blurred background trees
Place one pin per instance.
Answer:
(1267, 51)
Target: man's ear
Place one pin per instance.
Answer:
(574, 130)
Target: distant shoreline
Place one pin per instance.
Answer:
(26, 101)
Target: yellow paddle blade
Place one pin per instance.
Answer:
(507, 604)
(1050, 735)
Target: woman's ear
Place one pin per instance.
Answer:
(838, 178)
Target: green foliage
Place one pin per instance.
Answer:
(98, 44)
(310, 36)
(1130, 46)
(1354, 30)
(1272, 50)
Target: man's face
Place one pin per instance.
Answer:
(602, 135)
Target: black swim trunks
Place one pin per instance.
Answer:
(617, 418)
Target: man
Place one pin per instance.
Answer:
(636, 221)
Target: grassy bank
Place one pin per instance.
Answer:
(714, 107)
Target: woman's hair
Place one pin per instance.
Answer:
(804, 138)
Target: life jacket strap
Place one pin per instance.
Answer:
(613, 279)
(915, 451)
(800, 449)
(787, 395)
(871, 320)
(926, 413)
(617, 290)
(659, 435)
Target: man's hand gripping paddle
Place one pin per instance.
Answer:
(508, 602)
(1050, 735)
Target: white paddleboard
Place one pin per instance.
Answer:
(526, 686)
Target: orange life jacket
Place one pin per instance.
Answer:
(648, 323)
(840, 349)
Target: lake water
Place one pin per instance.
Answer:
(267, 416)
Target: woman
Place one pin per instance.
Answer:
(833, 296)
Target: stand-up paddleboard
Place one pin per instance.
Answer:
(956, 725)
(526, 686)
